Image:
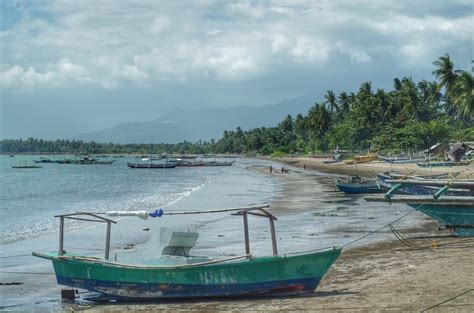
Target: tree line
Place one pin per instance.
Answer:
(412, 115)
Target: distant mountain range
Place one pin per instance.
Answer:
(201, 124)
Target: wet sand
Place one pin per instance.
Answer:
(386, 276)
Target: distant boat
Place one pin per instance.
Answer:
(443, 164)
(402, 160)
(218, 163)
(152, 165)
(355, 184)
(45, 160)
(361, 159)
(24, 165)
(85, 161)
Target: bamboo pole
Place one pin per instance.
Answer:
(246, 234)
(61, 235)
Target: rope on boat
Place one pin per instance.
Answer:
(445, 301)
(399, 236)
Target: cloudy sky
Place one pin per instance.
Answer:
(69, 67)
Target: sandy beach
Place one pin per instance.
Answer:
(370, 169)
(434, 271)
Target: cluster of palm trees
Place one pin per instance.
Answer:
(410, 114)
(458, 84)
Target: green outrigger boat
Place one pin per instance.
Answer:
(453, 212)
(177, 274)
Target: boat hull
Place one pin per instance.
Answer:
(152, 165)
(277, 275)
(420, 190)
(443, 164)
(458, 217)
(355, 188)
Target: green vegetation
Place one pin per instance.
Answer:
(411, 115)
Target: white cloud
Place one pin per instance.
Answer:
(60, 74)
(246, 9)
(115, 43)
(280, 43)
(159, 25)
(305, 49)
(355, 53)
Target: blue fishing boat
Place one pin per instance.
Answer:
(355, 185)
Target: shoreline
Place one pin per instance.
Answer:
(385, 275)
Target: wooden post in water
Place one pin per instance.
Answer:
(61, 235)
(107, 241)
(274, 242)
(246, 233)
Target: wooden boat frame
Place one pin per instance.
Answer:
(95, 217)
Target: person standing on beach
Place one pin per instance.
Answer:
(271, 169)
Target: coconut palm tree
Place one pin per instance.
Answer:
(331, 101)
(343, 100)
(445, 72)
(381, 98)
(463, 95)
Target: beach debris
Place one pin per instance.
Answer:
(11, 284)
(146, 229)
(129, 246)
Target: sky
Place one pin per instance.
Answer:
(71, 67)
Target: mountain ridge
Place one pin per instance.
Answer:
(200, 124)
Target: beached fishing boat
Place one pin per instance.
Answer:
(423, 185)
(331, 161)
(355, 184)
(361, 159)
(152, 165)
(442, 164)
(454, 212)
(177, 274)
(413, 159)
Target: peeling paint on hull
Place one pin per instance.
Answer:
(145, 291)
